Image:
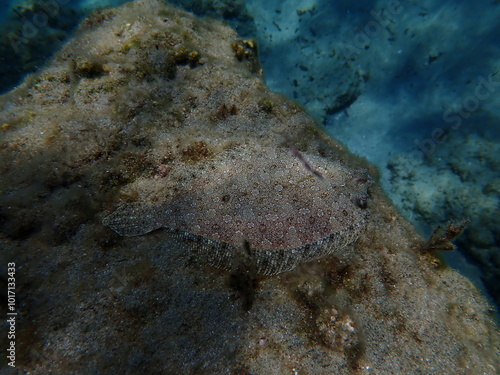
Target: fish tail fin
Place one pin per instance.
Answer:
(133, 219)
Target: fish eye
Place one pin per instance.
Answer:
(361, 200)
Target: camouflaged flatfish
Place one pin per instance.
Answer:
(286, 213)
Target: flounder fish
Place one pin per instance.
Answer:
(287, 214)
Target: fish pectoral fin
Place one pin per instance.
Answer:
(133, 219)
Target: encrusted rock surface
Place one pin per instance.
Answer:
(134, 109)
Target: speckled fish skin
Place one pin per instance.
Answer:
(287, 213)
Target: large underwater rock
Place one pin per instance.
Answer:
(141, 106)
